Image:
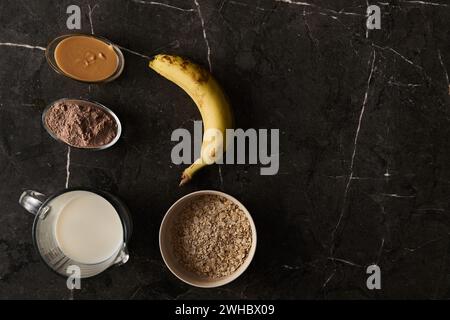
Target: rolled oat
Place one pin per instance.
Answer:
(212, 236)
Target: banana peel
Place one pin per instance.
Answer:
(210, 100)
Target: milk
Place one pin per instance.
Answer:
(87, 228)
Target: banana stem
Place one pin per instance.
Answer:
(189, 172)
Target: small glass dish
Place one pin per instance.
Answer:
(99, 105)
(50, 56)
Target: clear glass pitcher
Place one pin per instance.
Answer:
(44, 234)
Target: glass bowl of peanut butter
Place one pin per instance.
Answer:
(85, 58)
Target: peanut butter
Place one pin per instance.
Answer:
(86, 58)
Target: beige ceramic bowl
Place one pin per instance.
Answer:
(165, 243)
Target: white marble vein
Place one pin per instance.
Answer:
(329, 15)
(425, 3)
(208, 56)
(312, 5)
(355, 145)
(161, 4)
(21, 45)
(350, 263)
(208, 48)
(68, 168)
(367, 15)
(298, 3)
(71, 294)
(355, 178)
(220, 175)
(328, 279)
(246, 5)
(135, 53)
(443, 68)
(400, 84)
(395, 195)
(91, 10)
(314, 40)
(173, 44)
(427, 243)
(380, 251)
(397, 54)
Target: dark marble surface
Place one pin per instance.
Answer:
(364, 142)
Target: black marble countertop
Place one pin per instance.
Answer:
(364, 121)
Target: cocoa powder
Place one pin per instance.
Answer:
(81, 124)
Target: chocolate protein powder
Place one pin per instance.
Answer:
(81, 124)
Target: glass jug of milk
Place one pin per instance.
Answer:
(79, 227)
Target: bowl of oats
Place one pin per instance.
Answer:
(207, 239)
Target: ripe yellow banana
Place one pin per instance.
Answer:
(210, 99)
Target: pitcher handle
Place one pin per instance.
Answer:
(32, 201)
(123, 256)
